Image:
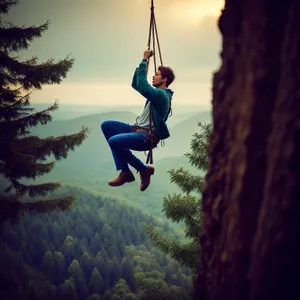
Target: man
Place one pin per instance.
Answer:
(123, 137)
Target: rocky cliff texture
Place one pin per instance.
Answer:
(251, 203)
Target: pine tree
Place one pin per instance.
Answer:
(48, 265)
(67, 290)
(184, 207)
(23, 156)
(95, 283)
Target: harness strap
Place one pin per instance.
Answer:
(150, 153)
(151, 135)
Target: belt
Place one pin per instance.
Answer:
(147, 131)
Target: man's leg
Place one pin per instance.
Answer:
(121, 144)
(111, 128)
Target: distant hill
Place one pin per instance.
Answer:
(91, 165)
(178, 117)
(181, 135)
(69, 111)
(162, 177)
(92, 120)
(94, 150)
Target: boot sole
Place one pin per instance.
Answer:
(122, 183)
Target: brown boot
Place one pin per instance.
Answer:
(122, 178)
(145, 178)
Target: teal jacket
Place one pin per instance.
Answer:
(159, 98)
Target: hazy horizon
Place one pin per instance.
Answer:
(107, 40)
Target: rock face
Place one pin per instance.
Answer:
(251, 203)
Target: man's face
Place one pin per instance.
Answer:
(157, 79)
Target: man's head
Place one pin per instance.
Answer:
(163, 77)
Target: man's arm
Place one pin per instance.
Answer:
(143, 86)
(147, 54)
(134, 83)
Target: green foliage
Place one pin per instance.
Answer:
(74, 269)
(24, 156)
(36, 290)
(158, 290)
(187, 254)
(95, 282)
(48, 265)
(70, 252)
(68, 290)
(199, 146)
(59, 269)
(185, 208)
(5, 5)
(94, 297)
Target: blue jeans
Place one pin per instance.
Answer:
(121, 140)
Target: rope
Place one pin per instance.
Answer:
(161, 62)
(152, 34)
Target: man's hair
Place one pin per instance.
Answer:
(167, 72)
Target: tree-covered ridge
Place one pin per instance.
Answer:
(99, 247)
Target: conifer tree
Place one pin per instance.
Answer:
(184, 207)
(22, 155)
(95, 283)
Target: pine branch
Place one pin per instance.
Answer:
(32, 190)
(20, 126)
(34, 76)
(11, 209)
(17, 110)
(183, 208)
(21, 156)
(17, 89)
(187, 255)
(5, 5)
(178, 207)
(193, 226)
(186, 181)
(15, 38)
(8, 95)
(51, 205)
(31, 61)
(199, 146)
(7, 80)
(58, 146)
(26, 167)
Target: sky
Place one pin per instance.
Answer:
(107, 39)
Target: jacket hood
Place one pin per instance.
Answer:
(169, 92)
